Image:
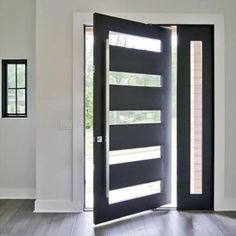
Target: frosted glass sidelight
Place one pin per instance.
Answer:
(196, 118)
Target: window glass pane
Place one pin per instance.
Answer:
(11, 101)
(11, 76)
(21, 76)
(135, 154)
(134, 79)
(196, 118)
(21, 101)
(134, 117)
(133, 192)
(135, 42)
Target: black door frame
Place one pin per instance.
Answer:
(186, 34)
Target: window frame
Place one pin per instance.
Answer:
(5, 63)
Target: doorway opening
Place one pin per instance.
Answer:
(149, 152)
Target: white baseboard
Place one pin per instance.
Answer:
(225, 204)
(17, 193)
(57, 206)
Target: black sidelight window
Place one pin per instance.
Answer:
(14, 88)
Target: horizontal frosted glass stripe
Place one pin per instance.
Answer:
(135, 154)
(134, 79)
(137, 191)
(135, 42)
(134, 117)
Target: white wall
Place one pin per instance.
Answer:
(17, 136)
(54, 88)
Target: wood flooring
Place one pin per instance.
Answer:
(17, 219)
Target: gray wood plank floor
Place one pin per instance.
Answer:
(17, 219)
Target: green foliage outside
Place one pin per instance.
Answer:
(89, 82)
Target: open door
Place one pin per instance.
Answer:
(132, 117)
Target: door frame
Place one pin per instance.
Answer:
(78, 138)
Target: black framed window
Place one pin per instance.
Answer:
(14, 88)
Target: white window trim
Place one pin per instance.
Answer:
(81, 19)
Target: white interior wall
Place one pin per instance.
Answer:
(17, 136)
(54, 89)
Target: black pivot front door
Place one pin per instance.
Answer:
(132, 117)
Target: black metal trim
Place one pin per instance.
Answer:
(6, 62)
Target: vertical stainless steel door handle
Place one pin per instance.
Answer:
(107, 105)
